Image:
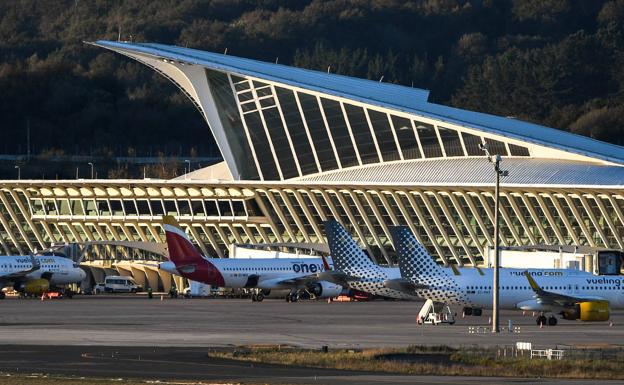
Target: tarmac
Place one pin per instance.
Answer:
(136, 337)
(138, 321)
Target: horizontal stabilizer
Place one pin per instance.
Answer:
(403, 285)
(338, 277)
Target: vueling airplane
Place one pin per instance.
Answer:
(264, 274)
(35, 275)
(353, 269)
(575, 295)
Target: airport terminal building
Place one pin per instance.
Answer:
(302, 146)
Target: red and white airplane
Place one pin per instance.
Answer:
(264, 274)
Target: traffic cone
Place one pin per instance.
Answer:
(42, 296)
(610, 324)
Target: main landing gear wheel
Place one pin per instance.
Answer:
(254, 297)
(259, 297)
(292, 297)
(541, 320)
(477, 312)
(552, 321)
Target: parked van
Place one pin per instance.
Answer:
(120, 284)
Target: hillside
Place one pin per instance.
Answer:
(554, 62)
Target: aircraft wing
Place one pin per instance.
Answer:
(292, 280)
(403, 285)
(23, 273)
(338, 277)
(557, 299)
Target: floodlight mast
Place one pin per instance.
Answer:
(496, 159)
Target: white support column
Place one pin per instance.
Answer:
(329, 133)
(370, 226)
(466, 222)
(294, 215)
(279, 213)
(490, 213)
(423, 222)
(215, 245)
(198, 240)
(308, 213)
(290, 143)
(593, 219)
(351, 217)
(394, 135)
(436, 220)
(307, 130)
(579, 219)
(523, 222)
(550, 218)
(372, 131)
(555, 201)
(355, 147)
(607, 218)
(246, 129)
(458, 233)
(27, 216)
(535, 217)
(17, 223)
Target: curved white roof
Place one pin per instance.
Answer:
(477, 171)
(410, 100)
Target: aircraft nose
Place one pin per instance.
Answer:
(82, 274)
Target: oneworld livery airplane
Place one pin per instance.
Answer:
(264, 274)
(35, 275)
(572, 294)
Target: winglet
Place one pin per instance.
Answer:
(536, 288)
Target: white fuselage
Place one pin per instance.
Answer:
(475, 290)
(57, 270)
(262, 273)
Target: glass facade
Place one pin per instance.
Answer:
(340, 133)
(229, 116)
(318, 131)
(296, 133)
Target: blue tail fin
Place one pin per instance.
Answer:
(414, 260)
(346, 254)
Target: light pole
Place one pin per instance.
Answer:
(19, 172)
(496, 159)
(91, 164)
(189, 167)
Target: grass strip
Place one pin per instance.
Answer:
(429, 361)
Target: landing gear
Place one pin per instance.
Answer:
(293, 296)
(542, 320)
(257, 295)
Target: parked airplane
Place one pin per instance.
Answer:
(35, 275)
(353, 268)
(575, 295)
(264, 274)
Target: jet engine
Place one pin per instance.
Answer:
(325, 289)
(590, 311)
(34, 287)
